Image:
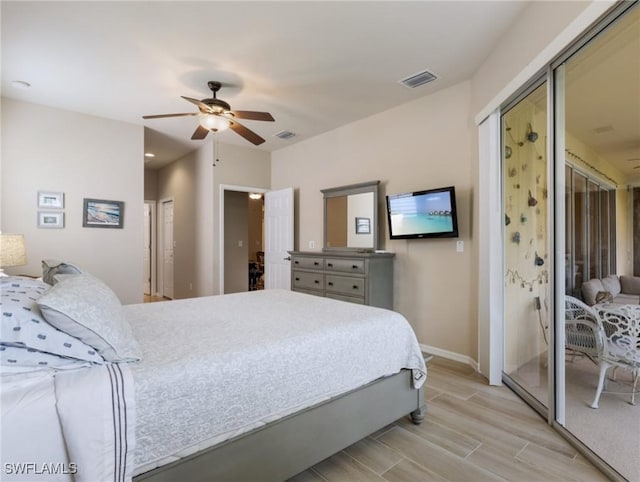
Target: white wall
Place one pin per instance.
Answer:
(83, 157)
(188, 181)
(427, 145)
(237, 166)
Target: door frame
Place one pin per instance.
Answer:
(222, 189)
(154, 241)
(160, 245)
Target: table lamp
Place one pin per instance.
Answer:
(12, 251)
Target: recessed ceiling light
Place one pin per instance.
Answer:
(20, 84)
(149, 154)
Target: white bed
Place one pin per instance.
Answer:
(225, 370)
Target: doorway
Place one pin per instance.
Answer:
(243, 241)
(166, 265)
(278, 239)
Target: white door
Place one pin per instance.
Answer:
(146, 256)
(278, 238)
(167, 249)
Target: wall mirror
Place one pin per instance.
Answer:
(351, 217)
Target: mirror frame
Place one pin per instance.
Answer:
(364, 187)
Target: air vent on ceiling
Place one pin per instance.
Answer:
(418, 79)
(284, 134)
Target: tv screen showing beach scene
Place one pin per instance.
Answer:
(423, 214)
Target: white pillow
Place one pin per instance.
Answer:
(16, 359)
(85, 307)
(23, 324)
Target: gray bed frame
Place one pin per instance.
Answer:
(290, 445)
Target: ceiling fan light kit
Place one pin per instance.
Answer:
(215, 115)
(213, 122)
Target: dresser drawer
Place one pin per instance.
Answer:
(350, 299)
(304, 279)
(344, 285)
(344, 265)
(307, 263)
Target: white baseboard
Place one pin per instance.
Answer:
(450, 355)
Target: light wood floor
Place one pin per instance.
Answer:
(472, 432)
(153, 299)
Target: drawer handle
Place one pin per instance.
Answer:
(316, 281)
(330, 283)
(297, 279)
(355, 287)
(330, 265)
(296, 262)
(355, 266)
(315, 263)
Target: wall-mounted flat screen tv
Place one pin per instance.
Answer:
(423, 214)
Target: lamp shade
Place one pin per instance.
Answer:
(12, 250)
(213, 122)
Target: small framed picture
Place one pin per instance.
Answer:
(50, 219)
(100, 213)
(363, 225)
(50, 200)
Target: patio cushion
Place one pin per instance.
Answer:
(590, 290)
(630, 284)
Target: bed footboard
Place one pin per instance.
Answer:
(294, 443)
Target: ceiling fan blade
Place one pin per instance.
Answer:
(248, 134)
(252, 115)
(160, 116)
(201, 105)
(199, 133)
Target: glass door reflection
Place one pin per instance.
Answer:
(526, 245)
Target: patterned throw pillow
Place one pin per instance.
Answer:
(88, 309)
(604, 297)
(15, 359)
(24, 326)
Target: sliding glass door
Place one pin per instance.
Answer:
(597, 127)
(570, 169)
(526, 250)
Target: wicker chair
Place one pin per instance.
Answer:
(621, 326)
(583, 334)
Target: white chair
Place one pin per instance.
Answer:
(582, 332)
(621, 327)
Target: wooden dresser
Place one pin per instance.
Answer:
(365, 278)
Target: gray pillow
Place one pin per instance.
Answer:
(53, 267)
(88, 309)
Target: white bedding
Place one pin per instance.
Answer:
(211, 368)
(219, 366)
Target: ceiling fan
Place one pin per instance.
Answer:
(216, 115)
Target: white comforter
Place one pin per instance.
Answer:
(218, 366)
(212, 368)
